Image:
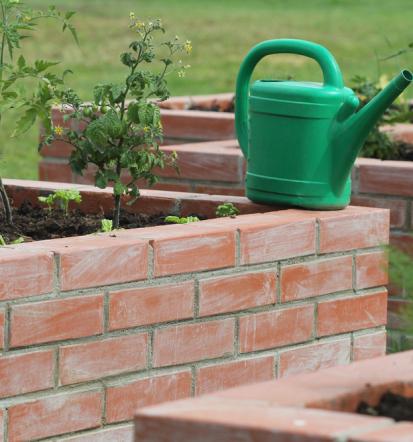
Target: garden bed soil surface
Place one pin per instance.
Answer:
(37, 223)
(396, 406)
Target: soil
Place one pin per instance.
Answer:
(37, 223)
(395, 406)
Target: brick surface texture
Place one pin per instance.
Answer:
(106, 324)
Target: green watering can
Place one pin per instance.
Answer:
(301, 139)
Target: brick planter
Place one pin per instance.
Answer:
(211, 162)
(313, 407)
(93, 327)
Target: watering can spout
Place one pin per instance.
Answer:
(351, 133)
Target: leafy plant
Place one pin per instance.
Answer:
(62, 198)
(227, 209)
(379, 144)
(122, 127)
(184, 220)
(18, 240)
(106, 225)
(17, 21)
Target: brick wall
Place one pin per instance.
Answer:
(91, 328)
(313, 407)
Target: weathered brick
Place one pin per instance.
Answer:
(51, 170)
(197, 252)
(55, 415)
(316, 278)
(399, 432)
(102, 261)
(387, 178)
(96, 360)
(371, 345)
(1, 425)
(26, 372)
(277, 239)
(231, 374)
(371, 269)
(354, 229)
(179, 344)
(122, 401)
(151, 305)
(276, 328)
(352, 313)
(397, 207)
(55, 320)
(25, 273)
(119, 433)
(313, 357)
(236, 292)
(2, 321)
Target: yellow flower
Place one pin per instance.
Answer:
(58, 130)
(146, 129)
(26, 19)
(188, 47)
(181, 73)
(132, 15)
(139, 25)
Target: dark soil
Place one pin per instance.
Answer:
(215, 106)
(37, 223)
(395, 406)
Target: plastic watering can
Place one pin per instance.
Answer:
(301, 139)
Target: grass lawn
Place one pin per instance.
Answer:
(356, 31)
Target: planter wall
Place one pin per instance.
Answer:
(211, 162)
(91, 328)
(314, 407)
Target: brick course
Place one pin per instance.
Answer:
(182, 310)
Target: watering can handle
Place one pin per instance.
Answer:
(331, 73)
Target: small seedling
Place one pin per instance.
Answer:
(18, 240)
(106, 225)
(184, 220)
(62, 198)
(227, 209)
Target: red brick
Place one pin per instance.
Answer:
(55, 320)
(387, 178)
(57, 149)
(403, 241)
(121, 433)
(399, 432)
(1, 425)
(2, 320)
(371, 269)
(276, 328)
(370, 345)
(197, 125)
(179, 344)
(220, 190)
(304, 280)
(55, 415)
(151, 305)
(352, 313)
(173, 187)
(236, 292)
(397, 207)
(354, 230)
(26, 372)
(315, 356)
(234, 373)
(96, 360)
(52, 171)
(101, 261)
(209, 161)
(122, 401)
(196, 252)
(25, 273)
(277, 239)
(212, 419)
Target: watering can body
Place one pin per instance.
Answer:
(301, 139)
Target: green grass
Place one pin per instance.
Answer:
(222, 31)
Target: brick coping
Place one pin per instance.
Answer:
(317, 406)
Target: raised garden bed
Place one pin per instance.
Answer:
(315, 407)
(94, 327)
(211, 162)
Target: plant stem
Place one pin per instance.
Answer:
(6, 203)
(116, 213)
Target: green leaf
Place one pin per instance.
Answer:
(42, 65)
(97, 133)
(25, 122)
(21, 62)
(119, 188)
(101, 180)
